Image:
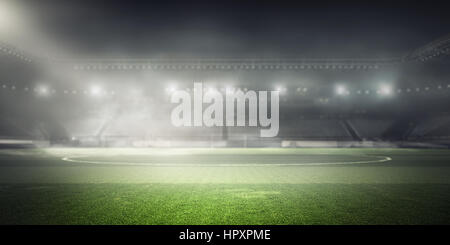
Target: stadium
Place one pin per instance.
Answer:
(86, 135)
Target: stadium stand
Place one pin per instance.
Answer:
(370, 129)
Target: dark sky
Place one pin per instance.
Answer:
(242, 28)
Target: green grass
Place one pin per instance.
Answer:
(37, 187)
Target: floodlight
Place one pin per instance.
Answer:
(96, 91)
(341, 90)
(385, 89)
(42, 90)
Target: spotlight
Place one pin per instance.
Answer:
(385, 89)
(42, 90)
(96, 91)
(341, 90)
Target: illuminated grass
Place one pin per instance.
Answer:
(226, 204)
(37, 187)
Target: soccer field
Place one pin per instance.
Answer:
(224, 186)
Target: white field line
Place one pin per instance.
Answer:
(76, 159)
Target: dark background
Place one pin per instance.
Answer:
(243, 28)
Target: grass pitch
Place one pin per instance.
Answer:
(224, 186)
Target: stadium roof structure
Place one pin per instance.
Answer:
(434, 49)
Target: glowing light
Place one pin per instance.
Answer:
(10, 17)
(42, 90)
(280, 89)
(385, 89)
(95, 91)
(341, 90)
(171, 88)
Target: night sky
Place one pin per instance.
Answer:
(238, 28)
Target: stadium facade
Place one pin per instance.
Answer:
(396, 101)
